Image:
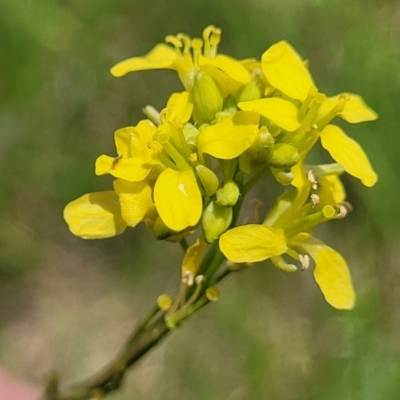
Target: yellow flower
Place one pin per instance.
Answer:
(187, 58)
(305, 114)
(287, 229)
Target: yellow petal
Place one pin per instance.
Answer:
(332, 275)
(355, 109)
(281, 112)
(230, 137)
(331, 190)
(230, 66)
(285, 71)
(179, 106)
(178, 199)
(129, 169)
(252, 243)
(132, 140)
(135, 200)
(227, 85)
(348, 154)
(161, 56)
(193, 257)
(95, 216)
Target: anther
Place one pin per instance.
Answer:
(188, 278)
(305, 261)
(312, 178)
(344, 209)
(200, 279)
(314, 199)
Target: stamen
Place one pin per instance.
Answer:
(174, 41)
(312, 178)
(200, 279)
(185, 39)
(196, 45)
(188, 278)
(314, 199)
(257, 204)
(305, 261)
(152, 114)
(344, 209)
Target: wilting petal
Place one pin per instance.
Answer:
(252, 243)
(230, 66)
(281, 112)
(193, 257)
(95, 216)
(161, 56)
(332, 275)
(348, 154)
(285, 71)
(178, 199)
(129, 169)
(135, 199)
(230, 137)
(179, 106)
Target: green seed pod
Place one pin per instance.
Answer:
(215, 221)
(284, 156)
(228, 195)
(258, 155)
(254, 90)
(208, 180)
(207, 97)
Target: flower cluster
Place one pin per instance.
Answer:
(192, 163)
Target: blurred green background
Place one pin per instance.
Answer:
(68, 304)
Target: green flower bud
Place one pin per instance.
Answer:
(215, 221)
(207, 97)
(254, 90)
(230, 105)
(228, 195)
(208, 180)
(258, 154)
(284, 156)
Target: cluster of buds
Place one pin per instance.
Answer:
(192, 163)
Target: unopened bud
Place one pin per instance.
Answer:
(215, 221)
(254, 90)
(228, 195)
(207, 97)
(208, 180)
(212, 293)
(258, 155)
(284, 156)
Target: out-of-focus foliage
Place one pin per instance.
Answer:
(68, 304)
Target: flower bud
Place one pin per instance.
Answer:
(208, 180)
(207, 97)
(228, 195)
(258, 155)
(215, 221)
(284, 156)
(254, 90)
